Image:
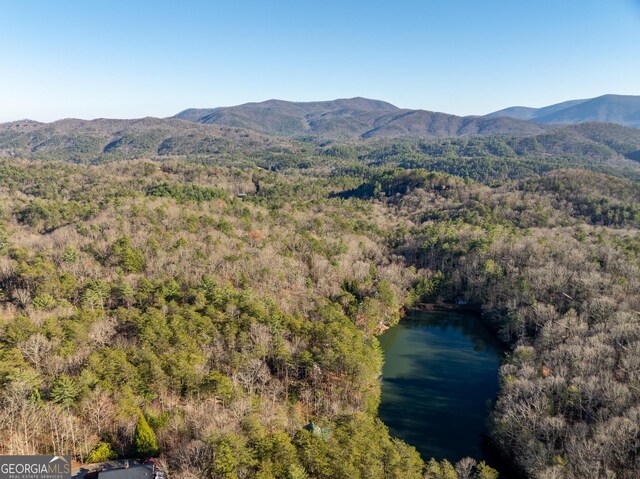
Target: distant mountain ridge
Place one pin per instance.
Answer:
(618, 109)
(201, 115)
(88, 140)
(361, 118)
(277, 125)
(353, 118)
(100, 140)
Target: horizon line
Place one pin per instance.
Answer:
(27, 119)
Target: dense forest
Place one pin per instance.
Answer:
(216, 300)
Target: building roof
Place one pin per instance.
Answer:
(135, 471)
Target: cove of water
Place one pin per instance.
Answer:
(439, 380)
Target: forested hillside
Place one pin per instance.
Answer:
(489, 157)
(145, 288)
(144, 296)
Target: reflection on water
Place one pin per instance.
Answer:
(440, 377)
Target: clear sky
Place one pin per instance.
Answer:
(126, 59)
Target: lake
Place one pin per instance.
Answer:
(440, 377)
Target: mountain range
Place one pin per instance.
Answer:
(277, 124)
(364, 118)
(107, 140)
(619, 109)
(353, 118)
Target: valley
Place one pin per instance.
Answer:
(231, 297)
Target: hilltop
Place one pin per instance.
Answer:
(353, 118)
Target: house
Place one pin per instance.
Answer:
(323, 432)
(134, 471)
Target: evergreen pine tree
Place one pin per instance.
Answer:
(145, 444)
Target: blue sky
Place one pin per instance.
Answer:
(129, 59)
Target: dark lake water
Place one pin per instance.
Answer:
(440, 377)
